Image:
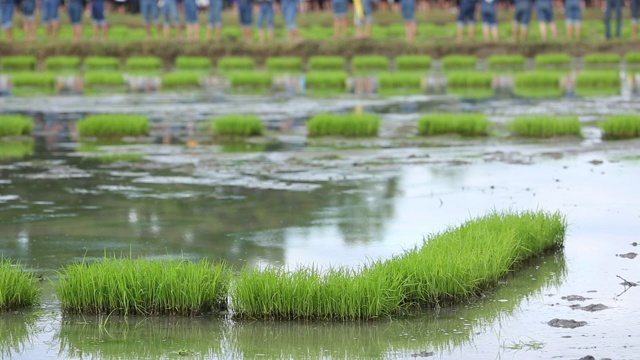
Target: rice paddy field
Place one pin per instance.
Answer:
(447, 205)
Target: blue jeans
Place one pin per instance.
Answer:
(467, 12)
(289, 12)
(6, 9)
(245, 12)
(607, 17)
(149, 11)
(408, 9)
(27, 7)
(545, 10)
(215, 13)
(573, 11)
(265, 15)
(170, 11)
(635, 11)
(50, 11)
(97, 12)
(488, 12)
(190, 11)
(340, 7)
(523, 12)
(75, 12)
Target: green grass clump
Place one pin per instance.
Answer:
(632, 58)
(16, 149)
(369, 63)
(552, 60)
(18, 288)
(103, 78)
(111, 126)
(18, 62)
(465, 124)
(459, 62)
(326, 80)
(180, 79)
(62, 62)
(15, 125)
(280, 64)
(193, 63)
(250, 79)
(326, 63)
(32, 79)
(349, 125)
(142, 287)
(236, 63)
(537, 79)
(237, 125)
(597, 82)
(545, 126)
(469, 79)
(398, 81)
(622, 126)
(413, 62)
(601, 59)
(499, 61)
(101, 63)
(143, 63)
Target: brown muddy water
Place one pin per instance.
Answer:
(289, 201)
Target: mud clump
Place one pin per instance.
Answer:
(630, 255)
(423, 354)
(566, 324)
(575, 298)
(594, 307)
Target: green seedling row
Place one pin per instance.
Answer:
(545, 126)
(279, 64)
(15, 125)
(326, 63)
(465, 124)
(347, 125)
(193, 63)
(62, 62)
(413, 63)
(236, 63)
(180, 79)
(623, 126)
(237, 125)
(103, 78)
(101, 63)
(113, 126)
(18, 288)
(552, 60)
(450, 62)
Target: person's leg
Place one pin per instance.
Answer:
(635, 14)
(408, 9)
(146, 12)
(607, 18)
(495, 32)
(270, 15)
(618, 17)
(6, 11)
(215, 19)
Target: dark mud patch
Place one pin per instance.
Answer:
(566, 324)
(629, 255)
(575, 298)
(596, 162)
(591, 308)
(423, 354)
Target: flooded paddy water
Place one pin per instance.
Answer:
(288, 200)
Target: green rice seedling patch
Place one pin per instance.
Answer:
(113, 126)
(284, 64)
(236, 63)
(552, 60)
(465, 124)
(399, 83)
(348, 125)
(632, 58)
(18, 63)
(18, 288)
(143, 63)
(413, 63)
(363, 64)
(237, 125)
(622, 126)
(545, 126)
(250, 79)
(34, 81)
(538, 84)
(334, 81)
(597, 83)
(15, 125)
(15, 149)
(62, 63)
(456, 62)
(101, 63)
(193, 63)
(326, 63)
(501, 62)
(181, 79)
(103, 78)
(602, 59)
(469, 79)
(142, 287)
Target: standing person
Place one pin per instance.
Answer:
(408, 8)
(488, 9)
(171, 18)
(617, 4)
(99, 20)
(50, 18)
(289, 12)
(265, 20)
(75, 9)
(245, 12)
(573, 14)
(522, 17)
(150, 13)
(635, 15)
(6, 15)
(340, 22)
(363, 15)
(466, 13)
(545, 18)
(28, 7)
(191, 19)
(214, 20)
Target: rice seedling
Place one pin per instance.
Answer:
(101, 63)
(235, 125)
(465, 124)
(16, 149)
(112, 126)
(545, 126)
(103, 78)
(143, 63)
(597, 82)
(459, 62)
(632, 58)
(181, 79)
(622, 126)
(552, 60)
(193, 63)
(236, 63)
(326, 80)
(18, 62)
(280, 64)
(369, 63)
(499, 61)
(326, 63)
(62, 62)
(469, 79)
(43, 81)
(409, 82)
(142, 287)
(537, 79)
(250, 79)
(599, 59)
(15, 125)
(18, 288)
(413, 62)
(349, 125)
